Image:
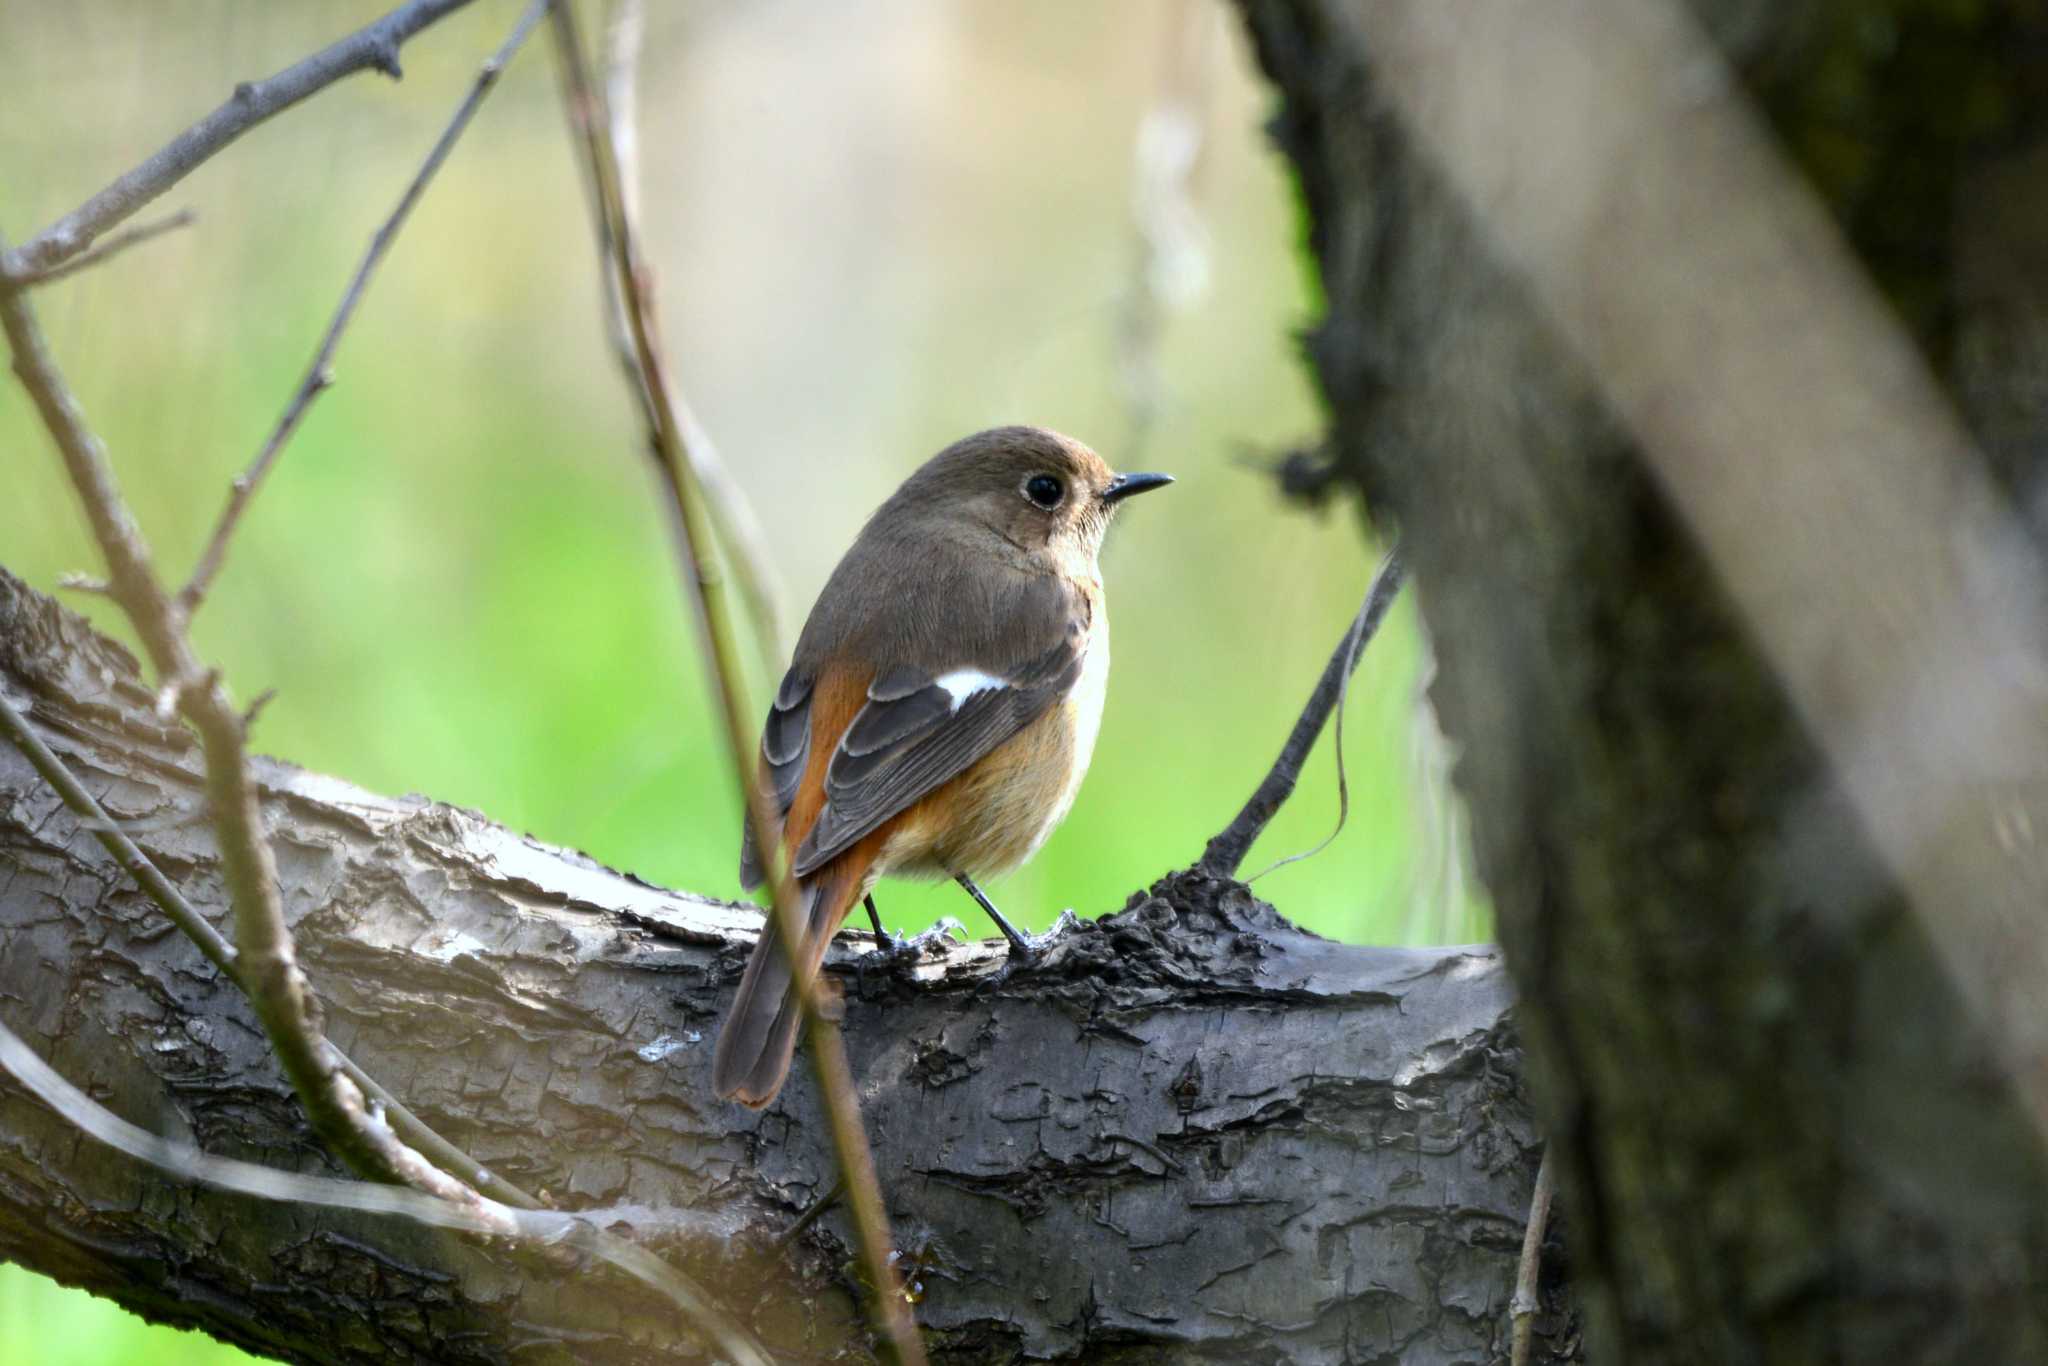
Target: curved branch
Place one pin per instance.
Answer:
(372, 48)
(319, 377)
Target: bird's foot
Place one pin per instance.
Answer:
(911, 948)
(897, 953)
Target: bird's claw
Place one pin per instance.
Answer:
(896, 948)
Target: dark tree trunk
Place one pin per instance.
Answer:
(1193, 1133)
(1782, 1139)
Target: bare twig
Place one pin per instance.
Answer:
(1522, 1308)
(112, 246)
(733, 516)
(705, 589)
(1343, 780)
(1225, 853)
(374, 47)
(319, 377)
(467, 1212)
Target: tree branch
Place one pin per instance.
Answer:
(319, 377)
(116, 838)
(111, 247)
(374, 47)
(1194, 1130)
(737, 526)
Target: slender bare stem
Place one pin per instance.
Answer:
(1522, 1308)
(738, 527)
(319, 376)
(1226, 852)
(371, 48)
(705, 588)
(111, 247)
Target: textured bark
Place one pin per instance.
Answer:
(1781, 1137)
(1194, 1132)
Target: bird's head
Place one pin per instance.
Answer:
(1038, 490)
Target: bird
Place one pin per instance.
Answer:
(939, 709)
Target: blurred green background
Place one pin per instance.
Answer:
(878, 226)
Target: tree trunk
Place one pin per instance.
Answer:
(1782, 1137)
(1193, 1132)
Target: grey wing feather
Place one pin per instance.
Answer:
(785, 749)
(907, 740)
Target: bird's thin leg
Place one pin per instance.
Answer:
(889, 951)
(1021, 946)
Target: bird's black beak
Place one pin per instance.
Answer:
(1124, 485)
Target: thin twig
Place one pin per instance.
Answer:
(1226, 852)
(112, 246)
(1343, 779)
(1522, 1308)
(469, 1214)
(319, 376)
(705, 588)
(737, 526)
(373, 47)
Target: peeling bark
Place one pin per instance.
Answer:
(1193, 1132)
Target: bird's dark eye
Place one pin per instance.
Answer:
(1044, 490)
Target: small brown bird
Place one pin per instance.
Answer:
(941, 707)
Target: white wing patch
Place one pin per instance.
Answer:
(962, 684)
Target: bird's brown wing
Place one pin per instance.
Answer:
(952, 664)
(918, 730)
